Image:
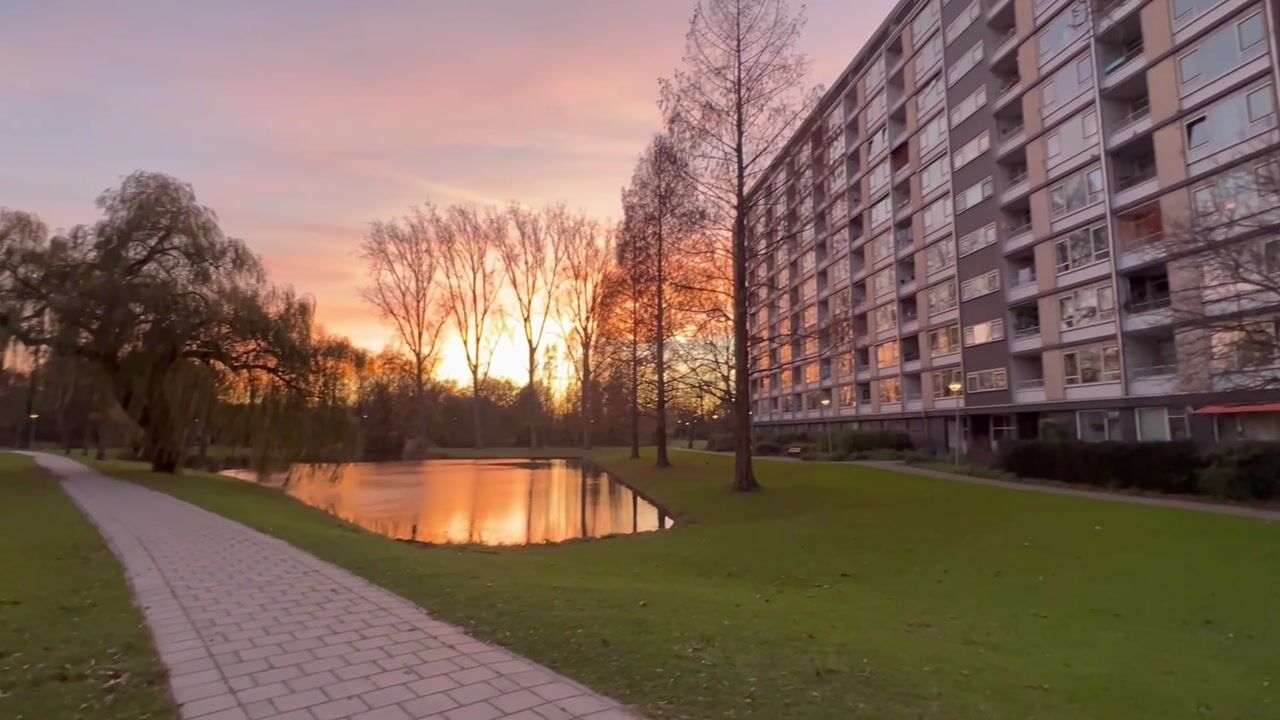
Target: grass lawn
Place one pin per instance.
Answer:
(72, 644)
(846, 592)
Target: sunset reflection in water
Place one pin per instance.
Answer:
(485, 502)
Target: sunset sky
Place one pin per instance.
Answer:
(299, 121)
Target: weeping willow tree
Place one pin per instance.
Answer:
(181, 320)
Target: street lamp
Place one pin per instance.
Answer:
(826, 402)
(955, 387)
(31, 437)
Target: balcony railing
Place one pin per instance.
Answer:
(1138, 110)
(1030, 384)
(1027, 332)
(1150, 371)
(1018, 177)
(1141, 173)
(1020, 280)
(1134, 50)
(1158, 302)
(1012, 231)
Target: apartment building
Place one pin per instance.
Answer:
(969, 237)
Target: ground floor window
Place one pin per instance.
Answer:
(1098, 425)
(1161, 424)
(1003, 428)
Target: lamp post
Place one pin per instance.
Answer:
(826, 403)
(955, 387)
(31, 434)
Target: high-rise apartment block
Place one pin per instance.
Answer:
(987, 218)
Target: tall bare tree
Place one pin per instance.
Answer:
(1222, 278)
(735, 103)
(663, 215)
(469, 238)
(589, 266)
(532, 256)
(402, 258)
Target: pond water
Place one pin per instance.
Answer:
(485, 502)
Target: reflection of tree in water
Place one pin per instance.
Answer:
(477, 502)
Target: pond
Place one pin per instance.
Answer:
(484, 502)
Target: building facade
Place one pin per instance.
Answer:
(971, 229)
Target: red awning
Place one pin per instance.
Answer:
(1233, 409)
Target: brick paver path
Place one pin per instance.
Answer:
(251, 627)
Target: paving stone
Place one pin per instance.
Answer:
(252, 628)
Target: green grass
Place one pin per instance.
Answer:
(72, 644)
(846, 592)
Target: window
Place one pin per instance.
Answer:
(971, 150)
(881, 247)
(879, 142)
(1223, 50)
(1074, 136)
(1076, 193)
(944, 341)
(937, 215)
(933, 134)
(942, 380)
(963, 20)
(890, 390)
(879, 176)
(882, 282)
(925, 21)
(1156, 424)
(928, 55)
(876, 107)
(846, 397)
(887, 354)
(811, 372)
(1068, 25)
(934, 175)
(1089, 366)
(1250, 347)
(875, 74)
(987, 380)
(885, 317)
(984, 332)
(965, 63)
(930, 96)
(974, 194)
(969, 105)
(1197, 132)
(1086, 306)
(1098, 425)
(1082, 248)
(978, 239)
(942, 255)
(1068, 82)
(941, 297)
(1261, 104)
(881, 211)
(1003, 428)
(981, 285)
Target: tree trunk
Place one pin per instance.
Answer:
(584, 402)
(744, 477)
(533, 398)
(635, 396)
(660, 362)
(475, 411)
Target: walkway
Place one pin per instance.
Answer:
(250, 627)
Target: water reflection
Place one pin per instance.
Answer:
(487, 502)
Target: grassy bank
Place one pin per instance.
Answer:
(72, 645)
(846, 592)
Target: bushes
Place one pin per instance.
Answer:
(767, 447)
(721, 442)
(1244, 472)
(1165, 466)
(861, 441)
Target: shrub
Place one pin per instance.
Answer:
(1243, 472)
(767, 447)
(721, 442)
(854, 441)
(1163, 466)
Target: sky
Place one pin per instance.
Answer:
(300, 121)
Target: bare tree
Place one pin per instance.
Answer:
(469, 237)
(532, 256)
(589, 265)
(663, 215)
(1222, 283)
(402, 257)
(735, 104)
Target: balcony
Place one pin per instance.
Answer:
(1136, 181)
(1018, 236)
(1128, 63)
(1030, 390)
(1153, 380)
(1135, 121)
(1012, 137)
(1026, 339)
(1016, 186)
(1006, 41)
(1022, 285)
(1109, 12)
